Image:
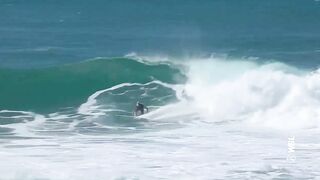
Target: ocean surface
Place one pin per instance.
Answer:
(233, 89)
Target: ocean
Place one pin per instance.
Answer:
(232, 88)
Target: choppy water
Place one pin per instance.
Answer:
(233, 89)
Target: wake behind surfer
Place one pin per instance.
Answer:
(140, 109)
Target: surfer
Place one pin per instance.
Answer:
(140, 109)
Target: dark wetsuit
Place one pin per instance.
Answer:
(140, 107)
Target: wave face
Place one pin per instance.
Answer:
(48, 89)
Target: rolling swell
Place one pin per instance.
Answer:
(50, 89)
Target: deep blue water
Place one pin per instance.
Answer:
(37, 33)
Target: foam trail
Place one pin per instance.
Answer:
(87, 107)
(172, 112)
(90, 107)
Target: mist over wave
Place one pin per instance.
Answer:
(273, 95)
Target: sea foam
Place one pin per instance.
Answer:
(272, 95)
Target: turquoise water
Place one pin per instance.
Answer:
(48, 89)
(232, 88)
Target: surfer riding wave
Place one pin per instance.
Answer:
(140, 109)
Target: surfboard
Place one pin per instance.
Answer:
(137, 114)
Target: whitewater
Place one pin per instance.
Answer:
(211, 118)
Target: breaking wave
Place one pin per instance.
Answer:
(101, 93)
